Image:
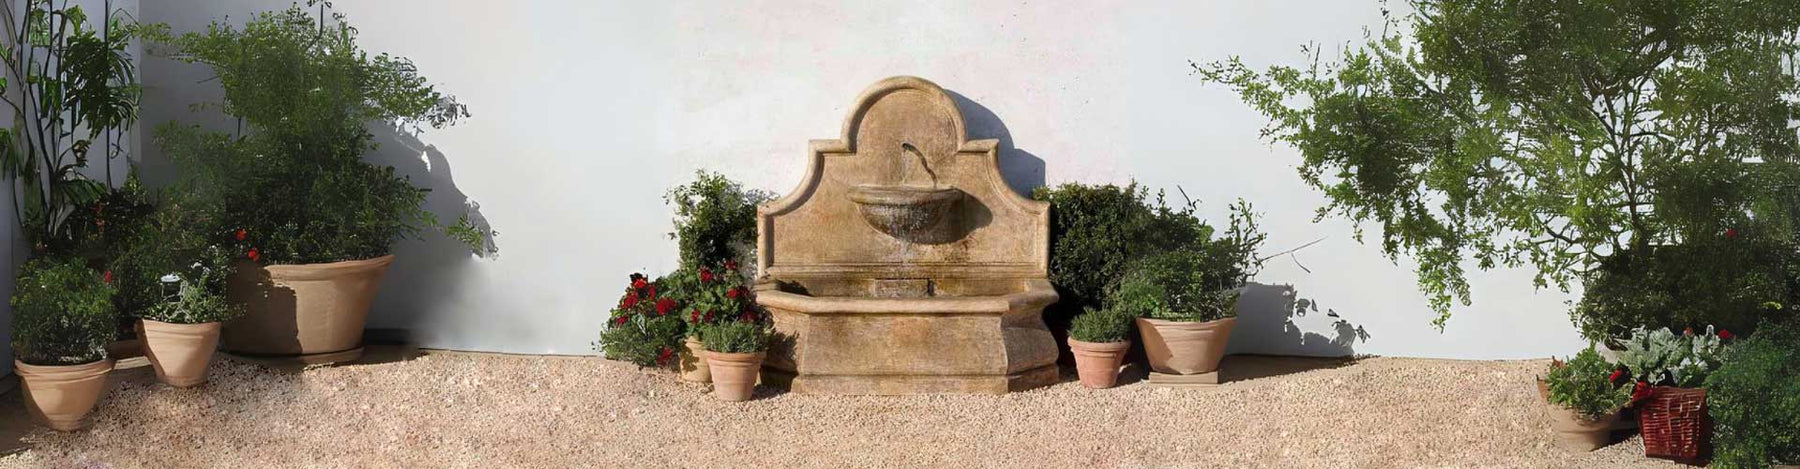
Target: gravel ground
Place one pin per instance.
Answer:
(475, 410)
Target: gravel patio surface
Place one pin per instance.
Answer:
(456, 410)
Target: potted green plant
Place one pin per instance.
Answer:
(1099, 340)
(1671, 404)
(1185, 301)
(1585, 395)
(709, 296)
(734, 352)
(63, 317)
(311, 222)
(181, 331)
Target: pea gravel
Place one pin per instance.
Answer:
(455, 410)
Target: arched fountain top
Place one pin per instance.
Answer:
(902, 193)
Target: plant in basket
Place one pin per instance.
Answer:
(1669, 368)
(645, 329)
(1585, 396)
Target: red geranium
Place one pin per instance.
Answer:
(731, 266)
(639, 283)
(1640, 392)
(241, 233)
(706, 275)
(1688, 332)
(106, 277)
(1731, 232)
(631, 299)
(734, 293)
(254, 254)
(1725, 334)
(664, 305)
(662, 358)
(1615, 376)
(620, 321)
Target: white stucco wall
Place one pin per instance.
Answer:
(585, 112)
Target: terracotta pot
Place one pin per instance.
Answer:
(60, 397)
(1185, 348)
(693, 363)
(305, 309)
(179, 352)
(1580, 434)
(734, 374)
(1098, 363)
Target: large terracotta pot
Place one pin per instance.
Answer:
(1098, 363)
(1185, 348)
(304, 309)
(693, 363)
(60, 397)
(734, 374)
(1580, 434)
(179, 352)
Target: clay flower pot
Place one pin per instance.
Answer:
(60, 397)
(693, 362)
(304, 309)
(1580, 434)
(179, 352)
(1185, 348)
(1098, 363)
(734, 374)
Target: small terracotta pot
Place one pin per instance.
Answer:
(1185, 348)
(1098, 362)
(1580, 434)
(60, 397)
(693, 362)
(179, 352)
(734, 374)
(302, 309)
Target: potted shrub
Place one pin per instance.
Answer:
(310, 221)
(181, 331)
(1585, 396)
(1671, 405)
(1099, 340)
(1185, 301)
(63, 317)
(734, 352)
(645, 328)
(709, 296)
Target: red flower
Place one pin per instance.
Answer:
(662, 358)
(734, 293)
(254, 254)
(639, 283)
(731, 266)
(748, 316)
(620, 321)
(1688, 332)
(650, 292)
(1725, 334)
(1731, 232)
(241, 234)
(695, 317)
(664, 305)
(708, 316)
(107, 277)
(1615, 376)
(1641, 391)
(706, 275)
(631, 299)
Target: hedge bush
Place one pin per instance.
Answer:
(1755, 399)
(63, 313)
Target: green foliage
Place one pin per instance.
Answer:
(736, 337)
(1663, 358)
(1200, 283)
(1733, 282)
(62, 313)
(644, 329)
(1754, 400)
(1101, 326)
(297, 182)
(195, 294)
(703, 296)
(715, 220)
(1585, 384)
(1098, 231)
(1545, 133)
(78, 92)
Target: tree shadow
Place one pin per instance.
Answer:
(416, 290)
(1024, 171)
(1273, 320)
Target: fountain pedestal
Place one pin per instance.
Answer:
(903, 263)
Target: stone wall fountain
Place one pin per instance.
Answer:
(904, 263)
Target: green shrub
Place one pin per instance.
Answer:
(715, 220)
(1199, 283)
(1098, 231)
(62, 313)
(645, 328)
(1733, 282)
(1588, 385)
(1101, 326)
(1755, 399)
(704, 296)
(194, 294)
(1662, 358)
(296, 182)
(736, 337)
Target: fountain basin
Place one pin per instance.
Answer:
(962, 336)
(912, 213)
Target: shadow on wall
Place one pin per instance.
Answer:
(1274, 320)
(1023, 170)
(426, 272)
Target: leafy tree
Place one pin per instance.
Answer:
(1547, 133)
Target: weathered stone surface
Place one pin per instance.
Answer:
(903, 263)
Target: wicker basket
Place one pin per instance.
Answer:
(1674, 423)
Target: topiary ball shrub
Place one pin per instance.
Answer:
(63, 313)
(1754, 399)
(1104, 326)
